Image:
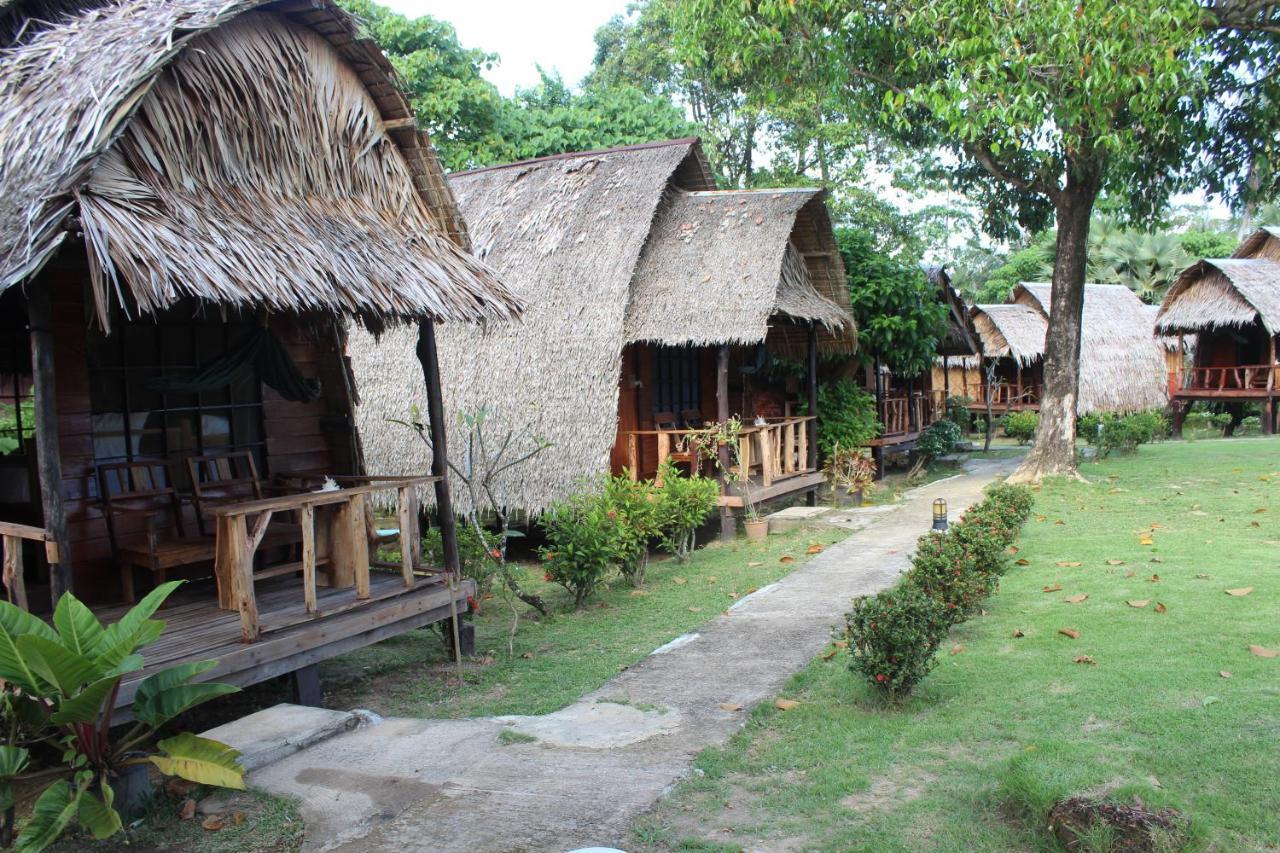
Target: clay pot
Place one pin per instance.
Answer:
(757, 530)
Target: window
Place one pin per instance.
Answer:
(17, 402)
(132, 421)
(677, 380)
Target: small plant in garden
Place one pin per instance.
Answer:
(847, 416)
(477, 563)
(943, 569)
(958, 412)
(60, 687)
(1125, 433)
(634, 507)
(709, 440)
(938, 439)
(583, 536)
(1021, 426)
(893, 638)
(683, 504)
(850, 469)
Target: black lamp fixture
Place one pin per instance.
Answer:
(940, 514)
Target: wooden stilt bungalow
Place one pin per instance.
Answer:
(1011, 373)
(196, 198)
(1231, 309)
(656, 304)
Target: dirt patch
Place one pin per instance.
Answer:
(885, 793)
(1081, 823)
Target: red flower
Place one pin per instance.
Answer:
(882, 678)
(472, 605)
(546, 576)
(496, 554)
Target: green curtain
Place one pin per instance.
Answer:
(260, 348)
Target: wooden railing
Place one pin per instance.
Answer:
(13, 534)
(334, 534)
(1003, 394)
(779, 448)
(1227, 378)
(903, 416)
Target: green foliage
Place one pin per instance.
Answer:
(1108, 432)
(1026, 264)
(10, 440)
(1020, 426)
(958, 412)
(633, 506)
(1197, 244)
(68, 676)
(582, 544)
(893, 638)
(477, 563)
(942, 570)
(850, 469)
(846, 416)
(683, 504)
(900, 316)
(938, 439)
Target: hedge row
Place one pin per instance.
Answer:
(894, 636)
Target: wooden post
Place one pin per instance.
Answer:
(946, 378)
(913, 413)
(728, 524)
(13, 580)
(1269, 408)
(48, 455)
(430, 360)
(307, 520)
(240, 573)
(877, 452)
(810, 428)
(633, 456)
(408, 520)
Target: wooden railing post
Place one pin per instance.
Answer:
(633, 456)
(410, 542)
(14, 582)
(307, 521)
(359, 546)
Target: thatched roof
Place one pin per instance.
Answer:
(1169, 342)
(131, 115)
(1121, 368)
(1216, 293)
(959, 339)
(1262, 243)
(1010, 331)
(568, 232)
(718, 265)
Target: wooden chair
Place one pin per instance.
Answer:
(680, 453)
(144, 489)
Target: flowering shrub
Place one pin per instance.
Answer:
(683, 504)
(893, 637)
(633, 504)
(585, 538)
(944, 569)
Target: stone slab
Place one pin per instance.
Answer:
(272, 734)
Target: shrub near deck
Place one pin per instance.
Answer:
(1010, 723)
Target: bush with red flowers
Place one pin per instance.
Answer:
(893, 637)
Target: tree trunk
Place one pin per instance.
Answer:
(1054, 450)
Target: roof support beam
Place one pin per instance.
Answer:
(48, 456)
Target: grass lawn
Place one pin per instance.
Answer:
(557, 660)
(1006, 725)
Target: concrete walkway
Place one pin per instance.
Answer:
(442, 785)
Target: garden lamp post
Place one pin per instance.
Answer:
(940, 514)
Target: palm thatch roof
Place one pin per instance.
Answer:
(1010, 331)
(718, 265)
(1169, 342)
(1122, 369)
(1262, 243)
(244, 157)
(569, 233)
(1216, 293)
(959, 339)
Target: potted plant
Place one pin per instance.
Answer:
(708, 442)
(849, 469)
(60, 688)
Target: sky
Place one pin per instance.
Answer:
(558, 34)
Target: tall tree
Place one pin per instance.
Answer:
(1041, 105)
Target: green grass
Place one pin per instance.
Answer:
(1006, 726)
(557, 660)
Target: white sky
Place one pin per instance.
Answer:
(558, 34)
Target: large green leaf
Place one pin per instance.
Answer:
(77, 627)
(53, 811)
(12, 761)
(97, 815)
(112, 657)
(85, 706)
(200, 760)
(164, 695)
(130, 623)
(130, 663)
(57, 664)
(14, 668)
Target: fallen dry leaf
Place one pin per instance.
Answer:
(1264, 652)
(1146, 539)
(1058, 521)
(527, 655)
(1115, 562)
(1017, 632)
(1086, 659)
(841, 644)
(957, 649)
(730, 706)
(1153, 579)
(786, 704)
(1069, 632)
(1138, 602)
(733, 595)
(637, 593)
(1012, 549)
(1069, 565)
(1260, 510)
(752, 589)
(1129, 574)
(188, 809)
(815, 548)
(1022, 561)
(695, 609)
(1077, 599)
(786, 558)
(1155, 525)
(679, 581)
(1057, 587)
(237, 818)
(1244, 590)
(1042, 518)
(712, 579)
(1254, 524)
(1224, 673)
(828, 654)
(214, 822)
(1160, 608)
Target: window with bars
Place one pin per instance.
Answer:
(676, 380)
(133, 421)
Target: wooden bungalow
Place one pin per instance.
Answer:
(1231, 307)
(656, 304)
(197, 197)
(1120, 365)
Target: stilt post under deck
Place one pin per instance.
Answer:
(877, 453)
(728, 524)
(1269, 407)
(946, 379)
(811, 462)
(48, 458)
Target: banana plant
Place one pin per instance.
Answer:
(61, 685)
